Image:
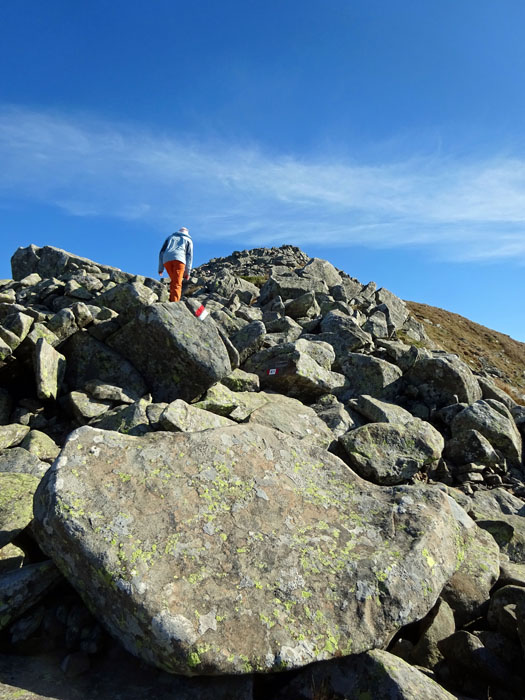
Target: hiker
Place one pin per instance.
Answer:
(176, 255)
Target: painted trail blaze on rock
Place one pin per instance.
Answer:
(231, 551)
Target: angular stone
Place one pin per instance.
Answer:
(196, 551)
(107, 392)
(293, 418)
(40, 445)
(470, 446)
(24, 588)
(478, 570)
(63, 324)
(376, 324)
(180, 416)
(511, 574)
(439, 624)
(17, 460)
(382, 412)
(348, 332)
(318, 269)
(83, 408)
(88, 359)
(370, 375)
(127, 299)
(5, 350)
(235, 404)
(129, 419)
(507, 606)
(12, 435)
(239, 380)
(499, 429)
(503, 516)
(390, 453)
(180, 356)
(249, 339)
(374, 675)
(290, 369)
(442, 380)
(16, 504)
(491, 391)
(50, 368)
(333, 413)
(304, 306)
(290, 286)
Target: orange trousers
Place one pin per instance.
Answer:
(175, 270)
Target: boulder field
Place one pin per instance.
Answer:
(297, 495)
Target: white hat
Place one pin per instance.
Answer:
(183, 229)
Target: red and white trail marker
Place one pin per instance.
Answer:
(201, 313)
(272, 372)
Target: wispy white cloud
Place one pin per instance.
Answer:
(462, 210)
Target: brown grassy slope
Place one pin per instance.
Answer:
(481, 348)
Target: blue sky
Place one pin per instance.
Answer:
(383, 135)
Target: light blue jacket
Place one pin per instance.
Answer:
(177, 246)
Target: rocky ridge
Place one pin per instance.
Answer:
(298, 490)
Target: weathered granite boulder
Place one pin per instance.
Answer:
(496, 424)
(249, 339)
(12, 435)
(372, 376)
(237, 405)
(334, 414)
(377, 411)
(240, 551)
(438, 624)
(83, 408)
(290, 416)
(88, 359)
(50, 367)
(16, 504)
(290, 368)
(503, 516)
(442, 380)
(290, 286)
(470, 446)
(374, 675)
(318, 269)
(180, 416)
(390, 453)
(179, 355)
(41, 445)
(305, 306)
(130, 419)
(239, 380)
(20, 461)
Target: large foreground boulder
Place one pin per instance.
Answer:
(179, 356)
(232, 550)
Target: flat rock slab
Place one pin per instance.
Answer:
(236, 550)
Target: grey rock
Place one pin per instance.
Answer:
(88, 359)
(507, 611)
(83, 408)
(129, 419)
(350, 337)
(377, 411)
(373, 675)
(478, 570)
(304, 306)
(293, 418)
(438, 625)
(180, 416)
(511, 574)
(16, 504)
(107, 392)
(503, 516)
(20, 461)
(50, 367)
(189, 355)
(335, 415)
(372, 376)
(470, 446)
(497, 427)
(390, 453)
(239, 380)
(290, 286)
(377, 325)
(12, 435)
(290, 369)
(491, 391)
(127, 299)
(40, 445)
(442, 380)
(256, 527)
(318, 269)
(63, 324)
(249, 339)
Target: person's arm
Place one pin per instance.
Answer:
(189, 259)
(161, 264)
